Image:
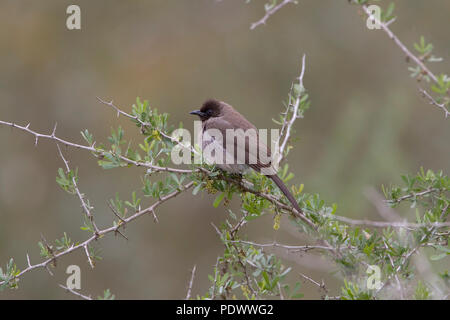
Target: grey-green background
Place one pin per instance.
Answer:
(368, 124)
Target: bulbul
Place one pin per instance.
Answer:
(220, 117)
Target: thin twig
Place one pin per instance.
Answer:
(76, 293)
(269, 13)
(86, 250)
(320, 285)
(385, 224)
(191, 282)
(433, 102)
(213, 295)
(289, 123)
(84, 205)
(414, 195)
(274, 244)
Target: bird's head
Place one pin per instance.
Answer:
(211, 108)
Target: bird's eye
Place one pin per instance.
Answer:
(209, 112)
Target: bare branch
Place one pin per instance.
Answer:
(433, 102)
(281, 291)
(269, 13)
(191, 282)
(76, 293)
(213, 295)
(46, 136)
(320, 285)
(384, 224)
(86, 250)
(93, 149)
(290, 248)
(287, 125)
(414, 195)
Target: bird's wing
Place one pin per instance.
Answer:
(242, 143)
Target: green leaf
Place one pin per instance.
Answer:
(87, 136)
(266, 279)
(107, 295)
(437, 257)
(218, 199)
(197, 189)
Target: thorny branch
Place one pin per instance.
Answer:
(84, 205)
(102, 233)
(96, 151)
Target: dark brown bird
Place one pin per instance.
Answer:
(218, 116)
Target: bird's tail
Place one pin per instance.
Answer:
(286, 192)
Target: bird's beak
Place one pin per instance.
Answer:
(198, 113)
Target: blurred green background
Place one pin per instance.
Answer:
(367, 125)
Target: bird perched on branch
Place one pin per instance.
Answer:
(233, 144)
